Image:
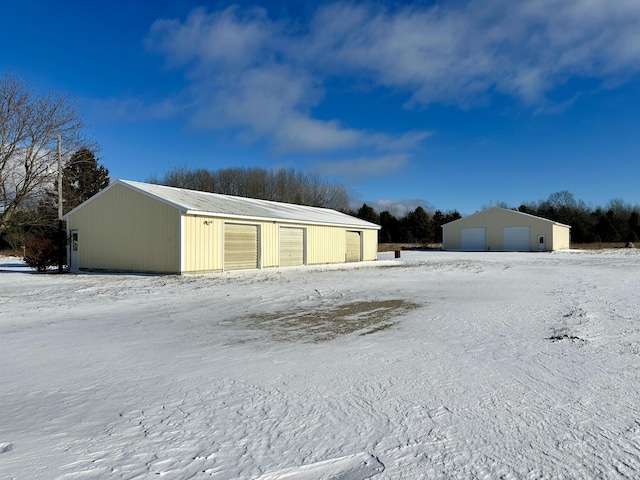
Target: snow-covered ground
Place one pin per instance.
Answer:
(437, 365)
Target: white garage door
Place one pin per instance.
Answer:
(240, 246)
(291, 246)
(516, 239)
(474, 239)
(353, 247)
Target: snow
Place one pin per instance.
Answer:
(435, 365)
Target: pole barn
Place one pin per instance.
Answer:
(500, 229)
(141, 227)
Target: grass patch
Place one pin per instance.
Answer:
(392, 247)
(597, 245)
(12, 252)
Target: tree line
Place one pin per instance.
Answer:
(416, 226)
(615, 223)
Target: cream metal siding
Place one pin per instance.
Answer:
(451, 237)
(370, 245)
(269, 248)
(291, 246)
(203, 241)
(329, 244)
(354, 246)
(325, 245)
(561, 238)
(121, 229)
(202, 244)
(495, 220)
(240, 246)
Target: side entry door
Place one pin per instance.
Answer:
(542, 244)
(74, 260)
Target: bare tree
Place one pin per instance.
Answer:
(29, 127)
(562, 199)
(282, 185)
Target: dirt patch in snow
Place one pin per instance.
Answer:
(323, 324)
(572, 323)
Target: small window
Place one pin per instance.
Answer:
(74, 241)
(540, 239)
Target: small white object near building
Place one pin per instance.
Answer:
(500, 229)
(141, 227)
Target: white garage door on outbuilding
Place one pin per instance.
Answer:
(240, 246)
(291, 246)
(354, 246)
(474, 239)
(516, 239)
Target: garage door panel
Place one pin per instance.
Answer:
(291, 246)
(354, 247)
(473, 239)
(240, 246)
(516, 239)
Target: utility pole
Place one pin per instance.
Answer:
(59, 178)
(62, 236)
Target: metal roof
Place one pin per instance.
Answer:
(508, 211)
(214, 204)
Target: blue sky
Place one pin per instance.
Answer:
(454, 105)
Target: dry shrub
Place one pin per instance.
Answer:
(40, 252)
(597, 245)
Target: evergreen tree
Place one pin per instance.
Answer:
(82, 178)
(365, 212)
(604, 230)
(418, 227)
(438, 220)
(390, 231)
(634, 226)
(450, 217)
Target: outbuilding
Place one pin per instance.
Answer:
(500, 229)
(141, 227)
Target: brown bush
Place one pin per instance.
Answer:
(40, 252)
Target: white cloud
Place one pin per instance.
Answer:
(302, 133)
(135, 109)
(262, 78)
(397, 208)
(245, 78)
(361, 169)
(270, 102)
(404, 142)
(458, 52)
(228, 38)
